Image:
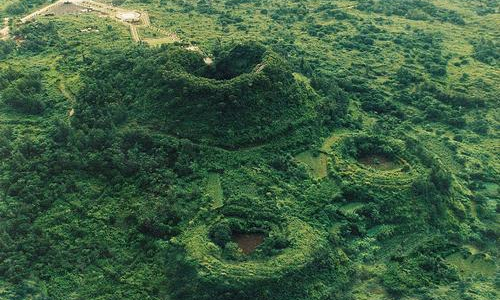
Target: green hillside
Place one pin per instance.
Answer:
(236, 149)
(247, 96)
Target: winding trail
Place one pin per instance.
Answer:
(69, 96)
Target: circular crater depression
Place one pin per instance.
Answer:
(217, 270)
(375, 160)
(247, 242)
(248, 96)
(241, 59)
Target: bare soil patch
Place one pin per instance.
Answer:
(67, 9)
(4, 32)
(248, 241)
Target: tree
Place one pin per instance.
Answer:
(441, 179)
(6, 47)
(220, 233)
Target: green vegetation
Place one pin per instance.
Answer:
(412, 9)
(246, 97)
(355, 143)
(19, 7)
(487, 51)
(22, 92)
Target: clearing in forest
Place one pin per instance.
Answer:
(379, 162)
(316, 163)
(478, 263)
(351, 207)
(214, 189)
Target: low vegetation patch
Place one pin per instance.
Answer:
(237, 149)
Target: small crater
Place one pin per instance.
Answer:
(239, 60)
(379, 161)
(247, 242)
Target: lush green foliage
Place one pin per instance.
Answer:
(243, 99)
(22, 92)
(359, 139)
(22, 6)
(487, 51)
(412, 9)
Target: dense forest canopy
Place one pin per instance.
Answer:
(236, 149)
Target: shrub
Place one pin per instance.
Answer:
(6, 47)
(487, 51)
(220, 233)
(441, 179)
(23, 93)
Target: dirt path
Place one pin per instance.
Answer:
(109, 10)
(145, 19)
(115, 11)
(69, 96)
(4, 32)
(134, 33)
(43, 10)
